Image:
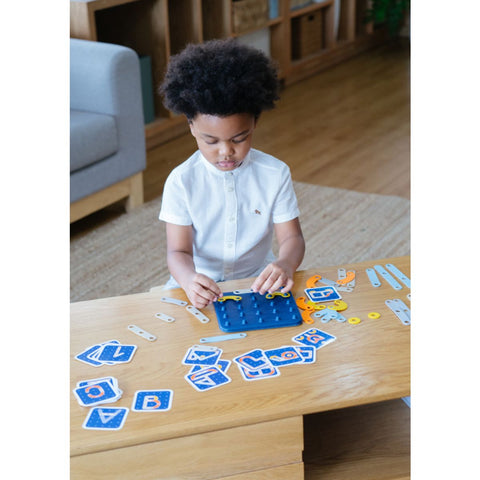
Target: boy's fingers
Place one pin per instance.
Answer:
(258, 284)
(207, 288)
(288, 286)
(267, 285)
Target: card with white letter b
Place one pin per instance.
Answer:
(152, 401)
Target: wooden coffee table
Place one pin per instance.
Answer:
(241, 430)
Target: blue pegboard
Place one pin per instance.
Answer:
(256, 312)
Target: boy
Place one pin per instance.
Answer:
(222, 205)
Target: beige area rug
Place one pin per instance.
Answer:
(127, 255)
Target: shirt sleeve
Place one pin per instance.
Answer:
(286, 205)
(174, 207)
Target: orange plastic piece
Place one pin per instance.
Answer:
(338, 306)
(349, 277)
(300, 301)
(306, 316)
(313, 280)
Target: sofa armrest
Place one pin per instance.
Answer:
(105, 79)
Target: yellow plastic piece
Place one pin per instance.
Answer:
(316, 306)
(349, 277)
(277, 294)
(338, 306)
(313, 280)
(235, 298)
(300, 301)
(354, 320)
(306, 316)
(374, 315)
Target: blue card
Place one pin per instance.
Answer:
(253, 360)
(94, 394)
(116, 353)
(309, 354)
(314, 338)
(207, 378)
(202, 355)
(322, 294)
(90, 355)
(222, 365)
(111, 380)
(85, 356)
(261, 374)
(101, 418)
(287, 355)
(152, 400)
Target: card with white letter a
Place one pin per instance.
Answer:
(152, 400)
(101, 418)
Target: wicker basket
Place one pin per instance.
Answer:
(249, 15)
(307, 34)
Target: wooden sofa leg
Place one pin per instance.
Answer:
(135, 199)
(130, 188)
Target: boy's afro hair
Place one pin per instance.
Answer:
(220, 77)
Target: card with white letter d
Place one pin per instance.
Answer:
(152, 401)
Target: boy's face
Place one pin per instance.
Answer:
(224, 141)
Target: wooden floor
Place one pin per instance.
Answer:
(347, 127)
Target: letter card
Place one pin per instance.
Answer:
(94, 394)
(314, 338)
(322, 294)
(261, 374)
(286, 355)
(101, 418)
(152, 400)
(208, 378)
(202, 355)
(253, 360)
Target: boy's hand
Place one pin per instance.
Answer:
(202, 290)
(274, 276)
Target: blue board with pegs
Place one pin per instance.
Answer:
(252, 311)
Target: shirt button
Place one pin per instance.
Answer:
(229, 245)
(231, 219)
(230, 189)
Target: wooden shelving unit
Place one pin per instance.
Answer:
(161, 28)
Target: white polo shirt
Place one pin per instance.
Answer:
(232, 213)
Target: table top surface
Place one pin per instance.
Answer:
(367, 362)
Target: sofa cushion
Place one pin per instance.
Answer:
(93, 137)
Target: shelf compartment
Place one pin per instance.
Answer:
(312, 32)
(142, 26)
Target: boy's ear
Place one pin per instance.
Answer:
(190, 124)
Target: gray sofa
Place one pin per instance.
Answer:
(107, 136)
